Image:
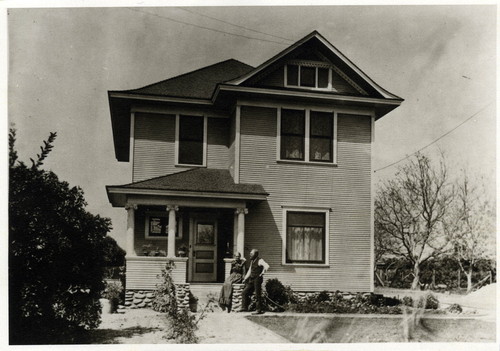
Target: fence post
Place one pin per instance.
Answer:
(491, 277)
(459, 279)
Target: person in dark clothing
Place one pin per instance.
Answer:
(236, 277)
(253, 281)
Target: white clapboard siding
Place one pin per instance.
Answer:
(143, 272)
(345, 189)
(154, 145)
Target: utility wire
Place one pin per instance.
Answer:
(232, 24)
(435, 140)
(207, 28)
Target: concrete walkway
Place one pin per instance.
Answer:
(233, 328)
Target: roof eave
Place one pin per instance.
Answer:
(117, 195)
(387, 104)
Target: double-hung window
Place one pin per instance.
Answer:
(306, 236)
(307, 135)
(191, 142)
(157, 226)
(292, 134)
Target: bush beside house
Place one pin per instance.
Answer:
(55, 255)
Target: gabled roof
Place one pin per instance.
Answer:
(216, 183)
(315, 36)
(198, 84)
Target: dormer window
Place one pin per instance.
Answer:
(314, 75)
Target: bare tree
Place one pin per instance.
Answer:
(470, 227)
(410, 211)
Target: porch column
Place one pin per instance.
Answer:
(130, 229)
(171, 229)
(240, 238)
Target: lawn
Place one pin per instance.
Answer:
(347, 329)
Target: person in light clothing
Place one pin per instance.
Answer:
(253, 281)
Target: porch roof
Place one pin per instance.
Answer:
(198, 182)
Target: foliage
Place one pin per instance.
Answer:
(149, 250)
(454, 308)
(429, 302)
(277, 292)
(407, 301)
(165, 297)
(184, 323)
(114, 293)
(55, 254)
(360, 303)
(114, 255)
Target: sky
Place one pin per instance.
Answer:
(62, 62)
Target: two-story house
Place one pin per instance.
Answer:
(230, 157)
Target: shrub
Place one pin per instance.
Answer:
(431, 302)
(360, 303)
(454, 308)
(55, 255)
(165, 297)
(184, 323)
(113, 293)
(323, 297)
(407, 301)
(277, 292)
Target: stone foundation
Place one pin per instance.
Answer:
(144, 298)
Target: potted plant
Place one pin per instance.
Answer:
(182, 251)
(112, 294)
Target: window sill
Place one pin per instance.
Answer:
(312, 163)
(311, 265)
(181, 165)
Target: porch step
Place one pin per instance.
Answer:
(201, 291)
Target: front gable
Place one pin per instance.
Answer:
(313, 65)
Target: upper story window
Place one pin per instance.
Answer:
(307, 135)
(191, 140)
(309, 75)
(292, 134)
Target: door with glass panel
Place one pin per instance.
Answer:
(203, 253)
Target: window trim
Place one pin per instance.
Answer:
(290, 208)
(149, 214)
(307, 122)
(316, 66)
(177, 130)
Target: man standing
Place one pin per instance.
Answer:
(253, 281)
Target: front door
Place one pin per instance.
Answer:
(203, 243)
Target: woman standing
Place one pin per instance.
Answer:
(236, 277)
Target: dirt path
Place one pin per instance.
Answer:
(233, 328)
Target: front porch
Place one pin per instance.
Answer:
(196, 219)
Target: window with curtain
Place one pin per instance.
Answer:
(292, 134)
(321, 137)
(305, 237)
(191, 132)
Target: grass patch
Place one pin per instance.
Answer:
(335, 329)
